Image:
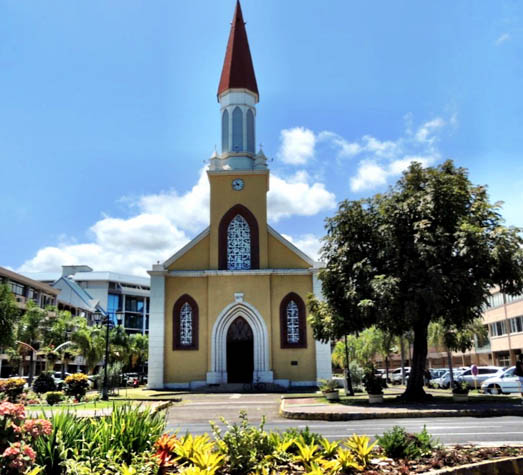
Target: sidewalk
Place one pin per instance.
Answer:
(312, 408)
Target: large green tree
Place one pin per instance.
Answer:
(429, 249)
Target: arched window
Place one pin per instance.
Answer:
(185, 324)
(250, 131)
(238, 244)
(238, 240)
(292, 322)
(237, 130)
(225, 131)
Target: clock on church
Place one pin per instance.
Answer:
(237, 184)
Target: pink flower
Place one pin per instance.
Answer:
(14, 410)
(20, 456)
(36, 427)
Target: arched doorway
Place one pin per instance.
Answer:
(240, 352)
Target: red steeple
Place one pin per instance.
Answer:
(238, 71)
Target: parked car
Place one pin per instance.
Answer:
(504, 383)
(131, 379)
(395, 375)
(484, 373)
(443, 382)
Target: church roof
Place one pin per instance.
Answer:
(238, 71)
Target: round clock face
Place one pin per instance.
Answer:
(237, 184)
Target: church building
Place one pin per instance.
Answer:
(229, 307)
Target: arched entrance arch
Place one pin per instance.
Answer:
(218, 370)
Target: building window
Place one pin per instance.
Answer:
(16, 288)
(498, 328)
(185, 324)
(516, 325)
(238, 243)
(237, 130)
(225, 131)
(250, 131)
(293, 329)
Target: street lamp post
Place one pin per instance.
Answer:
(105, 320)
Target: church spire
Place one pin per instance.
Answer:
(238, 71)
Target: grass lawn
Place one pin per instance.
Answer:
(142, 393)
(74, 407)
(440, 396)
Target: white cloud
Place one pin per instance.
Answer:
(291, 197)
(504, 37)
(310, 244)
(370, 175)
(297, 145)
(426, 131)
(165, 221)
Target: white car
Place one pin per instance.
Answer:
(443, 382)
(505, 383)
(395, 375)
(484, 373)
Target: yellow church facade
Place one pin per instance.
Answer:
(229, 307)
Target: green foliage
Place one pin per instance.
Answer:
(460, 388)
(399, 444)
(120, 437)
(328, 385)
(76, 385)
(90, 341)
(245, 446)
(429, 249)
(44, 383)
(8, 315)
(110, 464)
(372, 382)
(54, 397)
(361, 448)
(12, 388)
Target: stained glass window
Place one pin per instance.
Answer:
(238, 244)
(186, 324)
(293, 322)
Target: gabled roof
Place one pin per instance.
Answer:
(238, 71)
(187, 247)
(291, 246)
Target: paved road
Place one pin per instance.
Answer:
(196, 411)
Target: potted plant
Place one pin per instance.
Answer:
(460, 392)
(329, 388)
(373, 385)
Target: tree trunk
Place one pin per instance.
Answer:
(415, 391)
(451, 371)
(402, 353)
(387, 369)
(31, 369)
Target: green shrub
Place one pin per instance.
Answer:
(356, 374)
(244, 446)
(399, 444)
(76, 385)
(126, 433)
(44, 383)
(12, 388)
(372, 382)
(54, 397)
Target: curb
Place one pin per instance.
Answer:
(501, 466)
(163, 405)
(344, 416)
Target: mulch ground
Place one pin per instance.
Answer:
(443, 458)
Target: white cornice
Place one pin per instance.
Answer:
(213, 273)
(237, 172)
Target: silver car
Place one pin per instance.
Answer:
(484, 373)
(443, 382)
(505, 383)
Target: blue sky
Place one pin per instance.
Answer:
(108, 111)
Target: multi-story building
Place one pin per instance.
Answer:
(25, 289)
(124, 297)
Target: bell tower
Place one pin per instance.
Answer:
(239, 177)
(238, 96)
